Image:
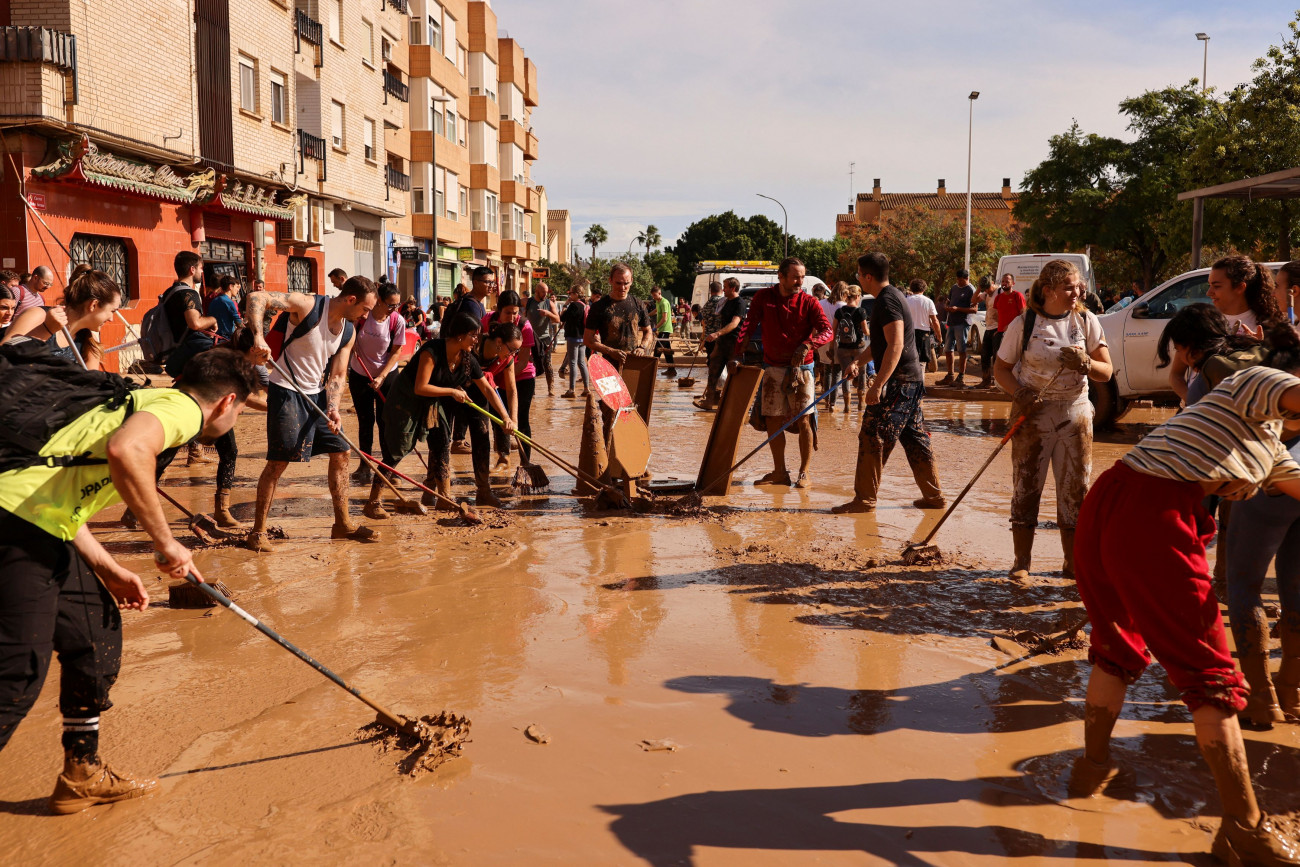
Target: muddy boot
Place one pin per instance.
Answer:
(1067, 549)
(1264, 844)
(568, 394)
(1089, 778)
(446, 503)
(1288, 677)
(485, 498)
(374, 508)
(129, 521)
(221, 511)
(259, 542)
(361, 475)
(1261, 710)
(353, 532)
(87, 783)
(427, 499)
(1023, 539)
(197, 455)
(947, 380)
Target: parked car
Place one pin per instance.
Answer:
(1133, 333)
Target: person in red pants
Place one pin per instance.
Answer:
(1148, 593)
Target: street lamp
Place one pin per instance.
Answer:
(1205, 61)
(787, 224)
(970, 141)
(433, 193)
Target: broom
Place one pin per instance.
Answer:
(688, 381)
(443, 736)
(204, 527)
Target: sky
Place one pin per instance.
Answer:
(667, 111)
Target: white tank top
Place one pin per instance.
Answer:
(306, 357)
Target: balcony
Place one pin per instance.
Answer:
(530, 146)
(310, 147)
(514, 192)
(400, 5)
(308, 29)
(394, 87)
(38, 72)
(397, 179)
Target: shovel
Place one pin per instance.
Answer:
(202, 526)
(416, 728)
(924, 552)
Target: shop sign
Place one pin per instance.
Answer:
(541, 273)
(407, 254)
(465, 254)
(37, 200)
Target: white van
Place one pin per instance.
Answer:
(1026, 267)
(748, 273)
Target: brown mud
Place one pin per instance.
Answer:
(768, 685)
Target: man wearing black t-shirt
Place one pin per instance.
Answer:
(618, 324)
(728, 316)
(192, 331)
(893, 398)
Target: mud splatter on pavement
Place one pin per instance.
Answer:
(439, 739)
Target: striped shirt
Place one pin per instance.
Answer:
(1231, 434)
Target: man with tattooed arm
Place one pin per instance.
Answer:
(316, 345)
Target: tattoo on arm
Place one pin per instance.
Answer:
(260, 302)
(333, 390)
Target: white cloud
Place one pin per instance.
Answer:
(666, 112)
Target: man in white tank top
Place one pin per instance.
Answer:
(317, 362)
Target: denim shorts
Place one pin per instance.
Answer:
(955, 340)
(293, 430)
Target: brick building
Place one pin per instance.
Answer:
(279, 138)
(873, 207)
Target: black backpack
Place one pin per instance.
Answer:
(40, 394)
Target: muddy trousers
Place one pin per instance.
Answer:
(1149, 592)
(51, 602)
(369, 409)
(897, 418)
(500, 440)
(439, 440)
(227, 459)
(542, 357)
(1057, 437)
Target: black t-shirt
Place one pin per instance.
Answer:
(574, 320)
(890, 307)
(465, 304)
(850, 327)
(731, 308)
(183, 299)
(960, 296)
(461, 376)
(618, 323)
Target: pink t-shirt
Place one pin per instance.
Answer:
(374, 341)
(530, 371)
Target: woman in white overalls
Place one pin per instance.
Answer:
(1065, 341)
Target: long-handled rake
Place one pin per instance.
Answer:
(923, 551)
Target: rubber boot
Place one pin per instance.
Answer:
(196, 454)
(486, 498)
(1288, 677)
(1023, 539)
(427, 499)
(85, 784)
(1067, 549)
(374, 507)
(222, 511)
(1264, 844)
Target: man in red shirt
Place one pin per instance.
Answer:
(793, 326)
(1009, 303)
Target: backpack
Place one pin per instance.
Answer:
(40, 394)
(278, 342)
(156, 337)
(1217, 368)
(846, 331)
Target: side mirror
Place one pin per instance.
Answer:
(1141, 311)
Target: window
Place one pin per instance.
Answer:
(451, 185)
(493, 204)
(417, 200)
(368, 126)
(336, 125)
(368, 44)
(435, 116)
(417, 32)
(247, 84)
(451, 123)
(462, 59)
(434, 28)
(336, 21)
(386, 49)
(464, 202)
(279, 97)
(103, 254)
(449, 37)
(301, 276)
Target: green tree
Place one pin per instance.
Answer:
(926, 244)
(649, 238)
(820, 257)
(595, 236)
(724, 236)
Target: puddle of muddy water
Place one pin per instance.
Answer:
(823, 704)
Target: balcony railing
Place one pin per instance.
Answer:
(400, 5)
(310, 147)
(530, 238)
(42, 45)
(394, 86)
(398, 179)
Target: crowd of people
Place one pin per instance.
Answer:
(480, 355)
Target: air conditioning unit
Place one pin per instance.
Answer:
(317, 221)
(296, 231)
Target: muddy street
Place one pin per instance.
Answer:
(763, 685)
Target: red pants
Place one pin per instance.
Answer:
(1141, 569)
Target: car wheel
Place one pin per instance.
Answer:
(1107, 406)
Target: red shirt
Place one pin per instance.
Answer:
(1009, 304)
(786, 322)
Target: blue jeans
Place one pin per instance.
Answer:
(575, 357)
(1262, 529)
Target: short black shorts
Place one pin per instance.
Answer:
(293, 430)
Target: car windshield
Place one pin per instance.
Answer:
(1166, 304)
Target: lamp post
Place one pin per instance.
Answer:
(787, 224)
(433, 193)
(970, 141)
(1205, 61)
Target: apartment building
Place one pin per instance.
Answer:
(473, 91)
(559, 237)
(878, 206)
(268, 135)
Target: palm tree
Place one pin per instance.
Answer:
(596, 235)
(649, 238)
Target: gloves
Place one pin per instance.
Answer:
(1025, 402)
(1075, 358)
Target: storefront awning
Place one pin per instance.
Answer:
(80, 161)
(231, 194)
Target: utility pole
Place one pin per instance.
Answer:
(852, 167)
(1205, 62)
(970, 142)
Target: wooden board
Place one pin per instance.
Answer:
(639, 372)
(629, 446)
(724, 437)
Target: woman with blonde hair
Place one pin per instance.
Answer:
(1048, 355)
(90, 300)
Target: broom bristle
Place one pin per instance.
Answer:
(530, 479)
(187, 595)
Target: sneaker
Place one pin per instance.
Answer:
(853, 507)
(354, 533)
(930, 503)
(460, 447)
(960, 381)
(947, 380)
(1262, 845)
(361, 475)
(803, 482)
(568, 394)
(102, 785)
(774, 478)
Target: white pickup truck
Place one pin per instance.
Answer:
(1133, 330)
